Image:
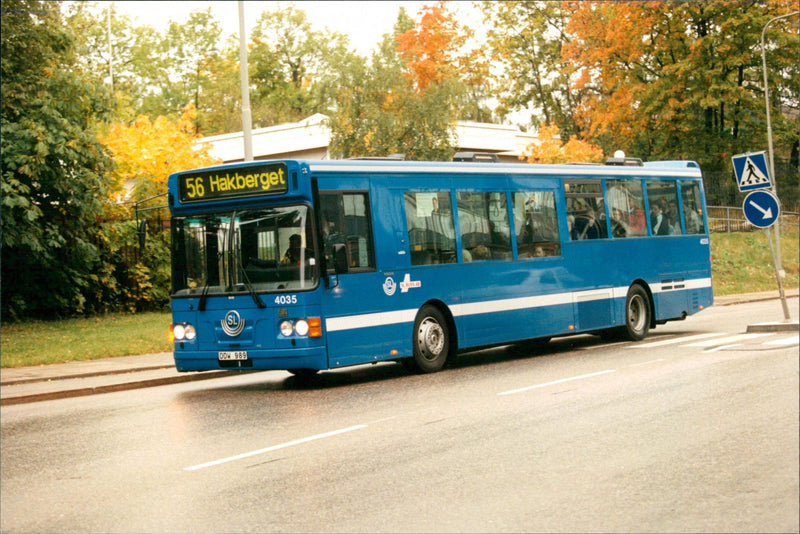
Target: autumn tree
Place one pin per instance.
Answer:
(550, 148)
(147, 152)
(408, 98)
(678, 79)
(438, 51)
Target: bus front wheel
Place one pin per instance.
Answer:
(637, 313)
(431, 340)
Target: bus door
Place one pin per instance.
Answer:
(353, 288)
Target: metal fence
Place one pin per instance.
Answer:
(730, 219)
(722, 190)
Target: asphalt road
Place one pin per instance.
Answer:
(693, 429)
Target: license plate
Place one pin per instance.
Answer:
(233, 355)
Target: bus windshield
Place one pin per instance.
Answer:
(245, 250)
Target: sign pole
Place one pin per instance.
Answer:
(785, 306)
(776, 260)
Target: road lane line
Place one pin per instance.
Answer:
(673, 340)
(792, 340)
(528, 388)
(274, 448)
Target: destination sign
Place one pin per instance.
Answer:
(266, 179)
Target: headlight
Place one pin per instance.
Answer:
(179, 331)
(191, 333)
(301, 327)
(286, 328)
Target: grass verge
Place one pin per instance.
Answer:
(44, 342)
(742, 263)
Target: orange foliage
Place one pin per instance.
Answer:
(549, 149)
(430, 48)
(610, 40)
(147, 152)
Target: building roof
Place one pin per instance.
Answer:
(310, 139)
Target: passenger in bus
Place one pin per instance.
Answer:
(295, 250)
(674, 218)
(619, 228)
(481, 252)
(694, 224)
(658, 222)
(585, 226)
(636, 219)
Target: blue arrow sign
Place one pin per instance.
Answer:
(761, 208)
(751, 171)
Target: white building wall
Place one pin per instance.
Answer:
(310, 138)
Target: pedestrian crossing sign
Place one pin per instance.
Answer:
(751, 171)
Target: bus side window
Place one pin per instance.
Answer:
(692, 208)
(626, 208)
(536, 224)
(431, 232)
(662, 197)
(586, 214)
(345, 221)
(484, 228)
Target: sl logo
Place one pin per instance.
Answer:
(232, 324)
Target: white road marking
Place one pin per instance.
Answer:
(725, 340)
(528, 388)
(723, 347)
(274, 448)
(791, 340)
(673, 340)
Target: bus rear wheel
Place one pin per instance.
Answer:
(637, 313)
(431, 340)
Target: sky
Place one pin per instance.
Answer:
(364, 22)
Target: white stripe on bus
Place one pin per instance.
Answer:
(366, 320)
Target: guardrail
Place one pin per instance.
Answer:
(732, 219)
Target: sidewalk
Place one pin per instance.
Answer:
(74, 379)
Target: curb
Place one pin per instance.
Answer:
(109, 388)
(94, 374)
(787, 326)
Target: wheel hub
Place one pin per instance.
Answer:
(431, 338)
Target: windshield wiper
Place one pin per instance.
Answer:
(201, 306)
(249, 286)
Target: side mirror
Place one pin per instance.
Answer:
(340, 264)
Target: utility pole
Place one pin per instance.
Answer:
(777, 257)
(247, 134)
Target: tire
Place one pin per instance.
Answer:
(637, 314)
(431, 340)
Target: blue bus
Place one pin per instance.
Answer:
(313, 265)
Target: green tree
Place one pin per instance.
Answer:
(293, 68)
(525, 40)
(190, 52)
(128, 56)
(54, 172)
